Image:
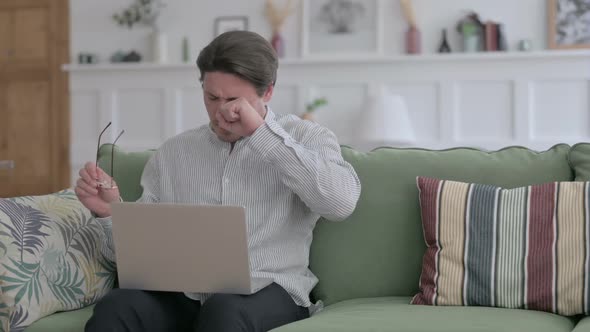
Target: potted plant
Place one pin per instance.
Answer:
(313, 106)
(146, 13)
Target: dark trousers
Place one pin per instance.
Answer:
(135, 310)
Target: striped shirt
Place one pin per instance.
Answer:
(286, 175)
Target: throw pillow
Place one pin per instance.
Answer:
(50, 258)
(525, 248)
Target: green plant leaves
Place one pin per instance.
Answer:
(67, 288)
(79, 233)
(25, 277)
(108, 271)
(26, 226)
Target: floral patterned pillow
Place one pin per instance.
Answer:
(50, 258)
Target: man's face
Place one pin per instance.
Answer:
(220, 88)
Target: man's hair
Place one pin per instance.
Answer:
(243, 53)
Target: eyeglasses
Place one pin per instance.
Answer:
(106, 183)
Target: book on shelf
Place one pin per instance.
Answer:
(491, 36)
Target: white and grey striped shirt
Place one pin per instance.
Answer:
(287, 174)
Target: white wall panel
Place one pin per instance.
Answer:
(285, 100)
(192, 108)
(484, 111)
(534, 100)
(141, 114)
(422, 100)
(85, 116)
(560, 109)
(345, 106)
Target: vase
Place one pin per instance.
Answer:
(502, 40)
(278, 44)
(525, 45)
(186, 54)
(159, 47)
(413, 41)
(471, 43)
(472, 37)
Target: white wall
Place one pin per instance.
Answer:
(483, 100)
(93, 30)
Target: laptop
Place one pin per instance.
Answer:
(183, 248)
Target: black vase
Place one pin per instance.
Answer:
(502, 43)
(444, 44)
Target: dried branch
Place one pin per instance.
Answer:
(408, 11)
(277, 16)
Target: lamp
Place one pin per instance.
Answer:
(386, 120)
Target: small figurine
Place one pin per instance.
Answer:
(444, 45)
(132, 57)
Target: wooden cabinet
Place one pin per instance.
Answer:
(6, 165)
(5, 35)
(31, 25)
(34, 102)
(25, 33)
(26, 122)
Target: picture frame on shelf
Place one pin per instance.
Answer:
(568, 24)
(230, 23)
(342, 28)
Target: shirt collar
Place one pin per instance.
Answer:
(270, 115)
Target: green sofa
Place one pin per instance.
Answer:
(369, 265)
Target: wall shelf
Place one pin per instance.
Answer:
(453, 57)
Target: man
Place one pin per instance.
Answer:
(285, 171)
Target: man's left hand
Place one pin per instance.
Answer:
(239, 117)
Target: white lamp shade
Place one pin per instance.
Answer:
(386, 120)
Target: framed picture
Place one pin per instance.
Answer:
(341, 27)
(569, 24)
(230, 23)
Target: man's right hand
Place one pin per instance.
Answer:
(94, 197)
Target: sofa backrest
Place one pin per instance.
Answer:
(378, 250)
(128, 169)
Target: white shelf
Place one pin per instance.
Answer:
(317, 60)
(131, 66)
(481, 56)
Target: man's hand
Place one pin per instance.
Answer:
(93, 196)
(239, 117)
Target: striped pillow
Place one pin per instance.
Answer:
(523, 248)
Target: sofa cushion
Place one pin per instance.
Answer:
(378, 250)
(128, 169)
(67, 321)
(579, 158)
(583, 325)
(522, 248)
(396, 314)
(50, 258)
